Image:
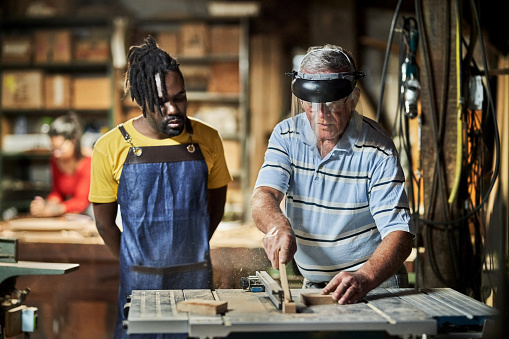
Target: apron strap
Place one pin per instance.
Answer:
(171, 269)
(159, 154)
(123, 131)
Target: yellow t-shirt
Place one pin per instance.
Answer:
(110, 152)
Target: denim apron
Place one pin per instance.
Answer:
(162, 195)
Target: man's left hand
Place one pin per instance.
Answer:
(348, 287)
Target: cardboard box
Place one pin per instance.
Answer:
(196, 77)
(22, 90)
(91, 93)
(52, 46)
(168, 42)
(224, 40)
(224, 77)
(57, 91)
(193, 40)
(93, 49)
(17, 49)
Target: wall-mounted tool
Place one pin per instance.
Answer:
(410, 85)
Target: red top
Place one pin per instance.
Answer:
(72, 189)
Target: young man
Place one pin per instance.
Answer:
(168, 174)
(346, 221)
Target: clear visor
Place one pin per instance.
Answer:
(328, 120)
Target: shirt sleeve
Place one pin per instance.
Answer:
(103, 186)
(79, 202)
(387, 198)
(54, 195)
(219, 175)
(276, 169)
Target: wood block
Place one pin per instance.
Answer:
(310, 299)
(289, 307)
(204, 307)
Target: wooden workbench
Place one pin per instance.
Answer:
(68, 304)
(392, 312)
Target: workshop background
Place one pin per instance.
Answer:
(437, 79)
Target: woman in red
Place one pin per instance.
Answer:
(70, 171)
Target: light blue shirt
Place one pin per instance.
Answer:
(341, 206)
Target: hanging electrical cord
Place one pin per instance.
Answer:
(448, 225)
(436, 129)
(491, 108)
(386, 59)
(493, 111)
(468, 168)
(432, 100)
(459, 121)
(439, 180)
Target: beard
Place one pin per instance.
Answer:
(170, 126)
(172, 131)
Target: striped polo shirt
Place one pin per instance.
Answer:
(341, 206)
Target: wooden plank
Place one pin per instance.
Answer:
(288, 305)
(316, 298)
(203, 307)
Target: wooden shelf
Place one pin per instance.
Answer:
(68, 67)
(213, 97)
(25, 23)
(75, 68)
(52, 112)
(26, 155)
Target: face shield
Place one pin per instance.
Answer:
(327, 100)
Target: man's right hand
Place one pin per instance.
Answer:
(280, 245)
(266, 209)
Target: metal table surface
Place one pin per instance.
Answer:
(397, 312)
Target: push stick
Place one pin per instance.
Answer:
(288, 305)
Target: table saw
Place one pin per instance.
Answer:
(395, 312)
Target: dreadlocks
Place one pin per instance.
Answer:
(147, 65)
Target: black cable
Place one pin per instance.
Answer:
(432, 102)
(494, 115)
(437, 171)
(497, 143)
(386, 60)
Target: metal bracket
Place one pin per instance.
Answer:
(272, 289)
